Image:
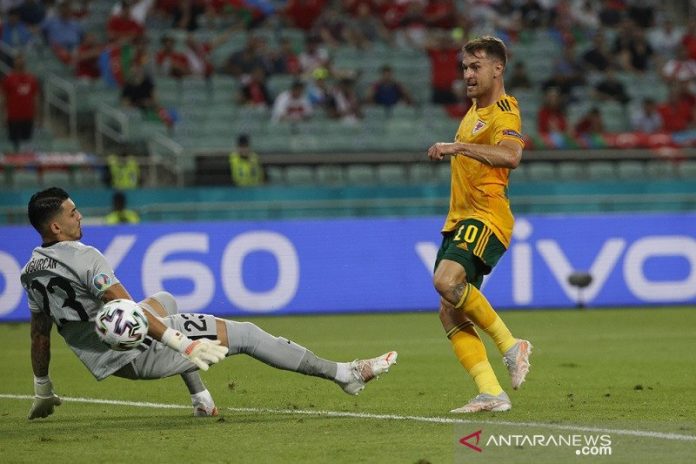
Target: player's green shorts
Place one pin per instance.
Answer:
(473, 245)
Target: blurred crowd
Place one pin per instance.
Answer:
(600, 40)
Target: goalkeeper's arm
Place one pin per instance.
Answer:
(45, 400)
(201, 352)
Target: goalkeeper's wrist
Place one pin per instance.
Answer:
(175, 340)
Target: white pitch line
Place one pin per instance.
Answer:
(395, 417)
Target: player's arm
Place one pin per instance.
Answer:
(45, 399)
(201, 352)
(507, 154)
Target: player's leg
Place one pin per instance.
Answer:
(281, 353)
(163, 304)
(470, 253)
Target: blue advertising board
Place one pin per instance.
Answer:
(379, 264)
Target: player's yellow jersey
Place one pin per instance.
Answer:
(478, 190)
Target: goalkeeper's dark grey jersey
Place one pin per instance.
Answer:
(66, 280)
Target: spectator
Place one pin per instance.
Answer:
(689, 38)
(444, 67)
(333, 29)
(648, 118)
(244, 61)
(387, 91)
(611, 88)
(590, 124)
(62, 32)
(20, 90)
(368, 28)
(87, 58)
(519, 79)
(632, 48)
(121, 26)
(345, 103)
(597, 58)
(585, 13)
(318, 90)
(458, 110)
(119, 213)
(680, 68)
(284, 60)
(551, 118)
(198, 53)
(32, 13)
(677, 111)
(124, 171)
(245, 166)
(292, 105)
(532, 14)
(567, 73)
(139, 92)
(254, 91)
(412, 30)
(171, 62)
(313, 56)
(665, 39)
(14, 32)
(303, 13)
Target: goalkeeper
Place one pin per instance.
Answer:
(68, 282)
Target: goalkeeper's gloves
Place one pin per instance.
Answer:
(201, 352)
(45, 400)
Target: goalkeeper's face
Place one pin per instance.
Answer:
(66, 224)
(480, 72)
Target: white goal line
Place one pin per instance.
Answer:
(393, 417)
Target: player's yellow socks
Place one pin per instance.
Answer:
(478, 309)
(471, 353)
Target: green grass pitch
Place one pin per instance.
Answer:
(626, 373)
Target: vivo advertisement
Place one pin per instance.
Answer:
(354, 265)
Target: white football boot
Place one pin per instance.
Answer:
(364, 370)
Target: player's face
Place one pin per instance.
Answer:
(68, 220)
(479, 73)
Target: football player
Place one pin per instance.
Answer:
(67, 283)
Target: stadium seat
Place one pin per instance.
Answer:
(392, 174)
(330, 175)
(443, 173)
(601, 170)
(630, 170)
(659, 169)
(571, 170)
(25, 179)
(88, 178)
(299, 175)
(519, 174)
(687, 169)
(275, 175)
(360, 174)
(541, 171)
(56, 178)
(421, 173)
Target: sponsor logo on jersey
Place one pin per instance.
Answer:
(101, 282)
(512, 133)
(478, 126)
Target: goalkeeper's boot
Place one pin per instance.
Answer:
(364, 370)
(486, 402)
(205, 407)
(517, 361)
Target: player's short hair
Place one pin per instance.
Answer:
(493, 46)
(44, 205)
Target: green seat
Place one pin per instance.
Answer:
(443, 172)
(630, 170)
(541, 171)
(660, 169)
(275, 175)
(571, 170)
(392, 174)
(330, 174)
(25, 179)
(360, 174)
(299, 175)
(601, 170)
(421, 173)
(687, 169)
(56, 178)
(88, 178)
(519, 174)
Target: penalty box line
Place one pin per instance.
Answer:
(370, 416)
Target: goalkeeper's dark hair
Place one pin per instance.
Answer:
(44, 205)
(493, 46)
